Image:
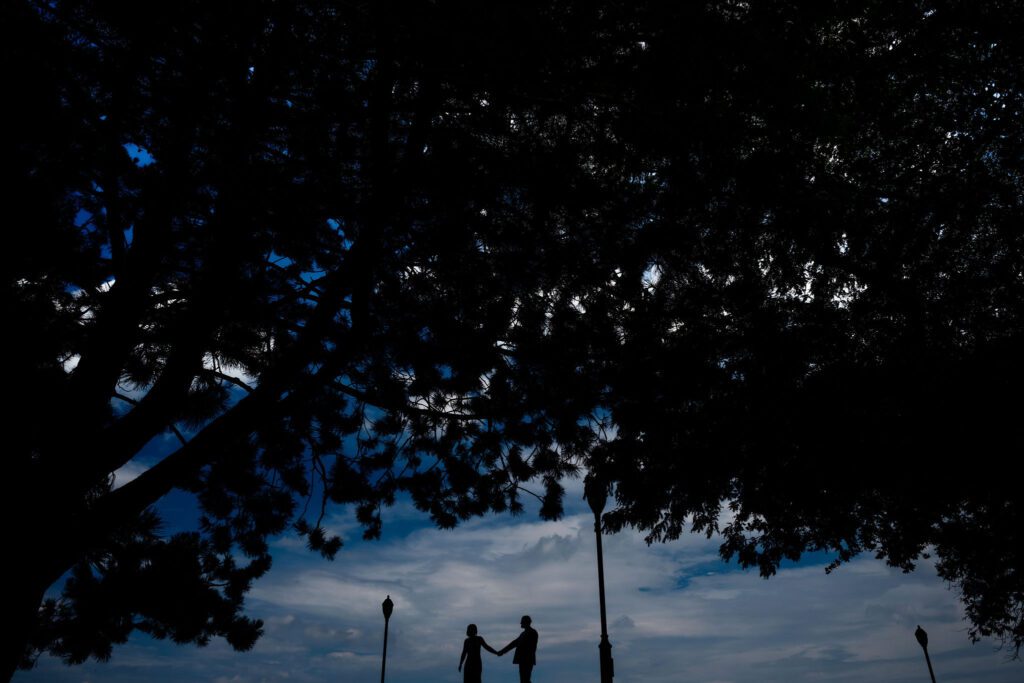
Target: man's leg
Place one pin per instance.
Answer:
(524, 672)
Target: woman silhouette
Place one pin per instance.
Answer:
(471, 655)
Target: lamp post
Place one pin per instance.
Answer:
(922, 638)
(596, 494)
(388, 608)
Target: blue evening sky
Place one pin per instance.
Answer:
(676, 612)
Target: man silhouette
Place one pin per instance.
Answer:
(526, 649)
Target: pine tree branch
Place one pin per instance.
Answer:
(174, 470)
(231, 379)
(170, 426)
(404, 408)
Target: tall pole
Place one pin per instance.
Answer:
(597, 495)
(922, 638)
(388, 607)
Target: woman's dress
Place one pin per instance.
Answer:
(473, 668)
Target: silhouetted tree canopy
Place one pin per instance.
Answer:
(759, 264)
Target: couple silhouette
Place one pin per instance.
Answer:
(525, 646)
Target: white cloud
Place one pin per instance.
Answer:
(128, 472)
(71, 362)
(675, 612)
(671, 617)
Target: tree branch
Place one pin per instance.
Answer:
(231, 379)
(134, 497)
(170, 426)
(402, 407)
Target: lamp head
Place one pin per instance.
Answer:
(596, 493)
(922, 636)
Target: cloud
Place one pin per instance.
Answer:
(671, 618)
(623, 622)
(128, 472)
(675, 612)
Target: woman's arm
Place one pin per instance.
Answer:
(488, 647)
(465, 647)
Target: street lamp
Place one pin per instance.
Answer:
(388, 608)
(922, 638)
(596, 494)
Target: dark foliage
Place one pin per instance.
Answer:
(754, 262)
